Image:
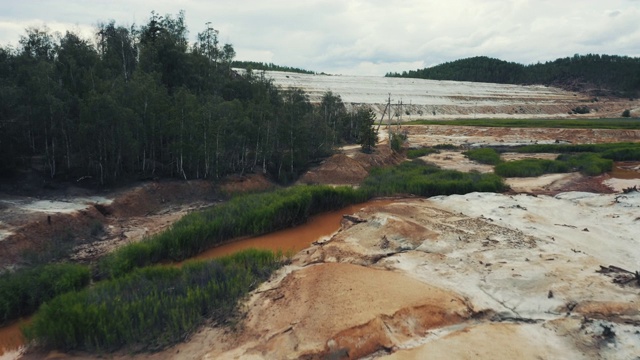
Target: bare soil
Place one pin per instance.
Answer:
(94, 226)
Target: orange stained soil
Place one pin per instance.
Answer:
(11, 338)
(293, 239)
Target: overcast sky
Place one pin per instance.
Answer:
(364, 37)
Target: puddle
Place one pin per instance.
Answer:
(58, 206)
(626, 170)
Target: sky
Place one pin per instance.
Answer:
(363, 37)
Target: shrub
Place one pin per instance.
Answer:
(397, 139)
(416, 153)
(484, 156)
(626, 113)
(22, 292)
(623, 154)
(581, 110)
(445, 147)
(587, 164)
(156, 306)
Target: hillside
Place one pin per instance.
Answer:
(442, 99)
(598, 74)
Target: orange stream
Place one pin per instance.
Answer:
(292, 239)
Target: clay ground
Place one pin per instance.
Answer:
(93, 223)
(479, 276)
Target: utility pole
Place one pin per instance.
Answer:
(387, 107)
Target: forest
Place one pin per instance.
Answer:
(610, 74)
(143, 102)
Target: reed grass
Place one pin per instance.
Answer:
(484, 156)
(576, 148)
(22, 292)
(417, 178)
(587, 163)
(151, 307)
(531, 167)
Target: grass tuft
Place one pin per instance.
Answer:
(22, 292)
(156, 306)
(484, 156)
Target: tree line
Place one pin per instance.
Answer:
(142, 101)
(254, 65)
(619, 75)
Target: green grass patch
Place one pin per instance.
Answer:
(618, 123)
(416, 153)
(155, 306)
(586, 163)
(591, 159)
(484, 156)
(531, 167)
(417, 178)
(577, 148)
(22, 292)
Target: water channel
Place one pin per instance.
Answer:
(292, 239)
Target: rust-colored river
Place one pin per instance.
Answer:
(293, 239)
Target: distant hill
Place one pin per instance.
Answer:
(597, 74)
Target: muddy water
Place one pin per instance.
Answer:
(623, 170)
(11, 338)
(293, 239)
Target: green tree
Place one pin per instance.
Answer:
(334, 114)
(118, 50)
(367, 135)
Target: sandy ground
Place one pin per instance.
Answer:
(470, 136)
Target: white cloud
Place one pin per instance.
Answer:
(367, 37)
